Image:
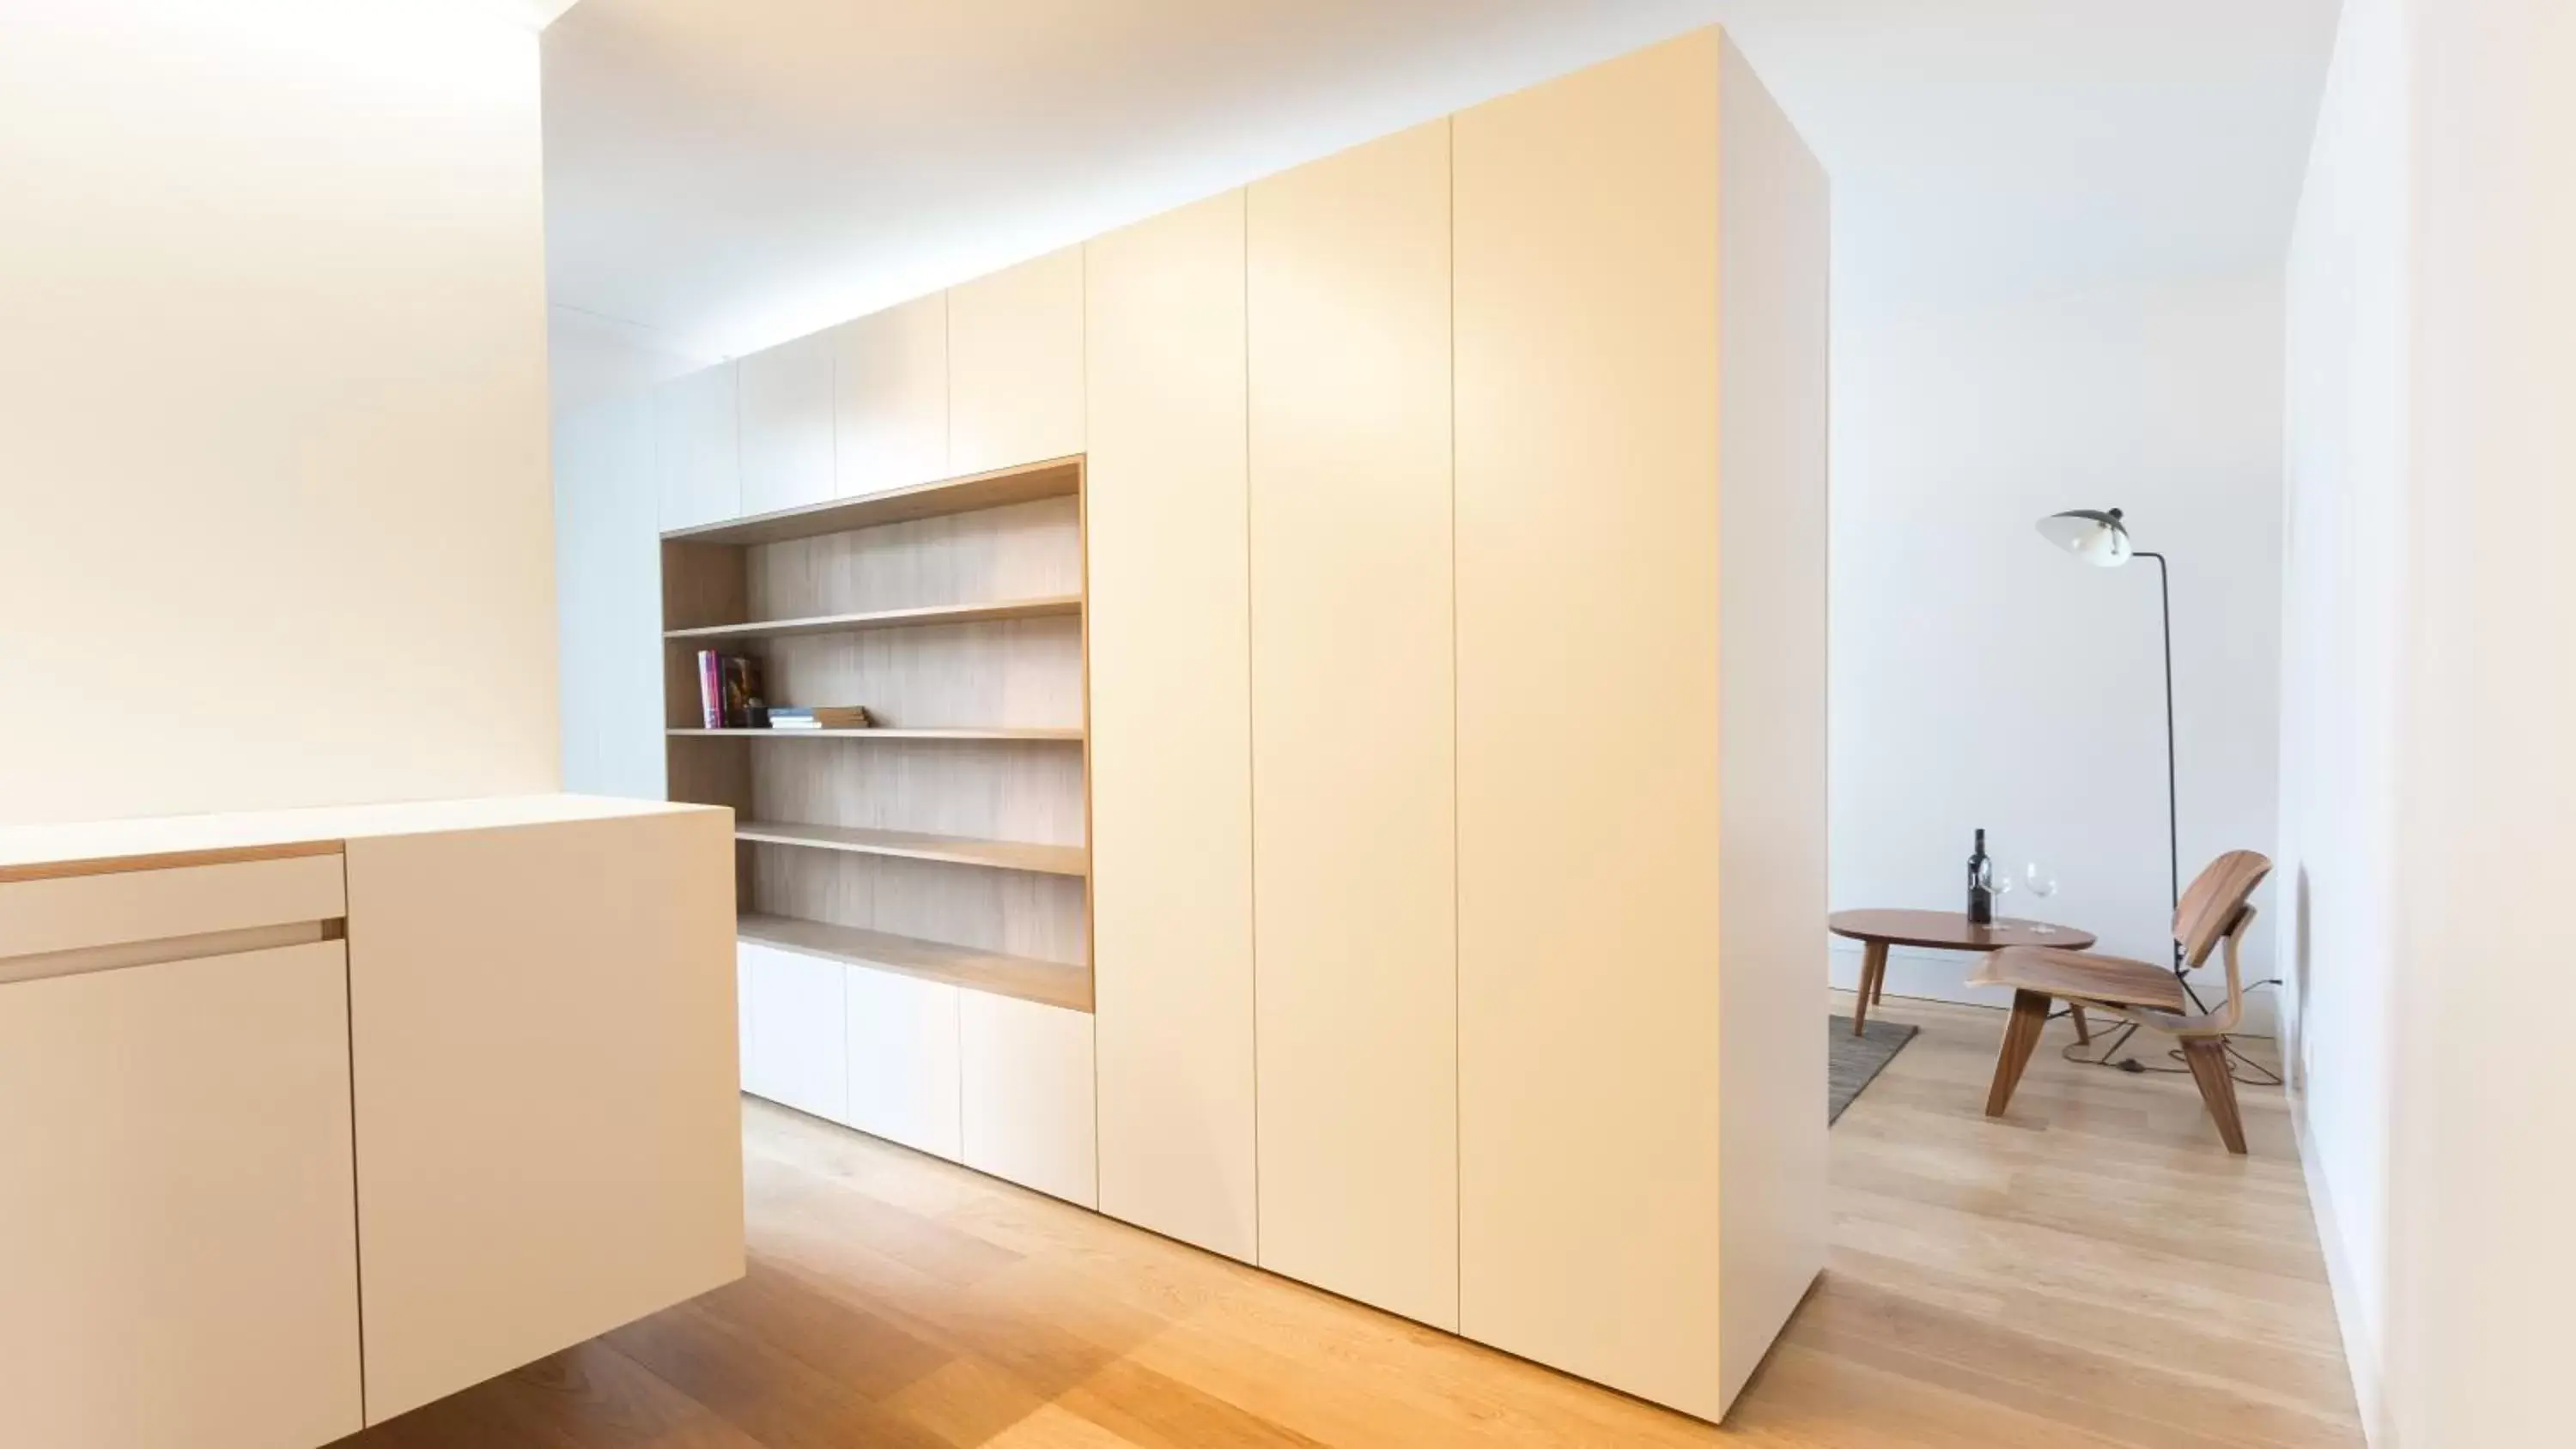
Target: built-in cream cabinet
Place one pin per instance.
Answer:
(697, 462)
(1015, 369)
(1354, 724)
(785, 396)
(1597, 641)
(176, 1237)
(1171, 735)
(1381, 823)
(890, 411)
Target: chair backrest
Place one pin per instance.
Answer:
(2217, 896)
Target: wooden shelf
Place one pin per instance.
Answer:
(1049, 983)
(886, 619)
(1070, 860)
(1055, 478)
(1042, 735)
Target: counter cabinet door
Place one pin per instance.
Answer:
(178, 1245)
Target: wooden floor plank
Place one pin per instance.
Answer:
(2094, 1271)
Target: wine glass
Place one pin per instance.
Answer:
(2043, 884)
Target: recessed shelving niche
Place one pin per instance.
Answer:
(949, 840)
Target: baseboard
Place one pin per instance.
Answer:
(2360, 1356)
(1943, 976)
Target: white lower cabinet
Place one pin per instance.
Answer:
(903, 1070)
(797, 1054)
(1026, 1095)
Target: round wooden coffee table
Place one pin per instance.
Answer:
(1937, 931)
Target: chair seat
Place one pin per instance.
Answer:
(2082, 976)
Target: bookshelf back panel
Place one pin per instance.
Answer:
(1026, 792)
(1038, 916)
(1019, 673)
(1025, 550)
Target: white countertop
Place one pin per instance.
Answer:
(91, 840)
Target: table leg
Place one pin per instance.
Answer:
(1873, 975)
(2083, 1028)
(2021, 1038)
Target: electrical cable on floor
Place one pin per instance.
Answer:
(2238, 1063)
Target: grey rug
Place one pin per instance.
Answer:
(1856, 1060)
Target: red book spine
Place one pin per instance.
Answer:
(711, 688)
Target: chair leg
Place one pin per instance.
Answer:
(1873, 972)
(2083, 1028)
(2208, 1059)
(2021, 1038)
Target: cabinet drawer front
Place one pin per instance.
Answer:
(71, 913)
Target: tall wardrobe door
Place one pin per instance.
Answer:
(1354, 763)
(1015, 362)
(1587, 722)
(1171, 786)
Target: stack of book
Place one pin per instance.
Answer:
(819, 717)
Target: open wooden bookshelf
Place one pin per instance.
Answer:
(950, 840)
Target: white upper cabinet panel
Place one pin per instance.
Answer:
(696, 463)
(786, 395)
(1015, 365)
(890, 412)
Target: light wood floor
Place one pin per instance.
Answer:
(2094, 1270)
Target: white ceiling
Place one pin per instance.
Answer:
(720, 177)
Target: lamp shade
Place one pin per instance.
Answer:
(2099, 539)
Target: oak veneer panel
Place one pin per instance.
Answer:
(176, 1233)
(890, 414)
(786, 403)
(1050, 983)
(1025, 1073)
(544, 1077)
(915, 845)
(881, 619)
(1354, 724)
(903, 1072)
(697, 462)
(1171, 771)
(1015, 365)
(1773, 250)
(1587, 558)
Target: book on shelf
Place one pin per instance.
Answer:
(742, 703)
(729, 691)
(819, 717)
(711, 689)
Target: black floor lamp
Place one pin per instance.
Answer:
(2102, 540)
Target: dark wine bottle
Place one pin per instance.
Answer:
(1981, 901)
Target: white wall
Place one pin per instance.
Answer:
(609, 583)
(2431, 697)
(274, 517)
(2341, 624)
(1982, 678)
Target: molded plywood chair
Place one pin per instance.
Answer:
(2212, 911)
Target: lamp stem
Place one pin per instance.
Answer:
(2173, 807)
